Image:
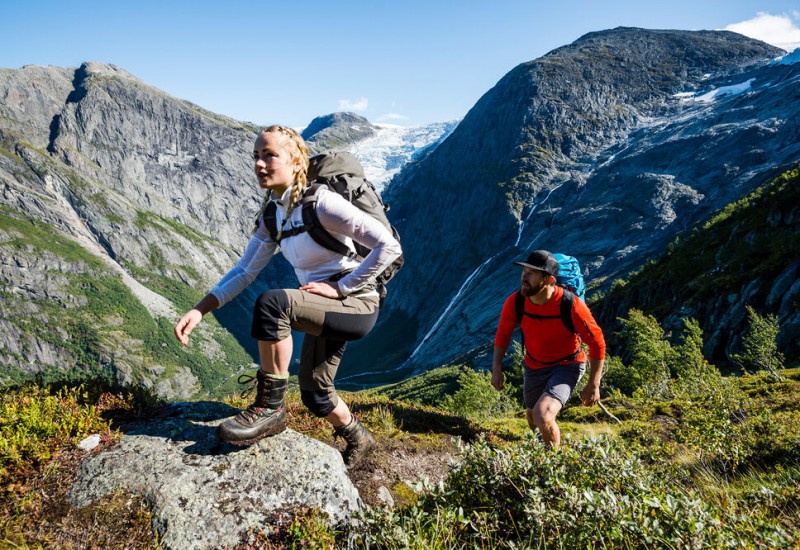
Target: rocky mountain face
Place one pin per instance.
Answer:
(605, 149)
(120, 206)
(741, 257)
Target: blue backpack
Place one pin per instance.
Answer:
(569, 275)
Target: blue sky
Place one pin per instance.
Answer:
(407, 63)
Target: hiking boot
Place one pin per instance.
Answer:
(266, 416)
(359, 441)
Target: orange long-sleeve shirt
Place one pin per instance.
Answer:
(548, 340)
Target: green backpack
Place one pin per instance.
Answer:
(340, 172)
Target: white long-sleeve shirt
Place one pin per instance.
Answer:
(312, 262)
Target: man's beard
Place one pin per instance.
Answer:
(528, 290)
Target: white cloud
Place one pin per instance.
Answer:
(393, 116)
(360, 105)
(778, 30)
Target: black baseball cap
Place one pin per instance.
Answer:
(541, 260)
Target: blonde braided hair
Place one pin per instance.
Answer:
(298, 150)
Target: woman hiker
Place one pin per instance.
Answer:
(337, 300)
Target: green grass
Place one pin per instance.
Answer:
(32, 234)
(39, 428)
(426, 389)
(169, 227)
(634, 485)
(35, 423)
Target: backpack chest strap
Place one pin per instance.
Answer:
(311, 225)
(565, 311)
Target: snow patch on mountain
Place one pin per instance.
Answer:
(385, 154)
(716, 93)
(789, 59)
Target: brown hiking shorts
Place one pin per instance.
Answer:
(328, 325)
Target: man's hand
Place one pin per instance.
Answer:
(325, 288)
(497, 379)
(497, 367)
(590, 395)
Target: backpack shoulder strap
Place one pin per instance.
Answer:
(316, 230)
(270, 220)
(519, 306)
(566, 310)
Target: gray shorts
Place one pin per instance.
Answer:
(557, 382)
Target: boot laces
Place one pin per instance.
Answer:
(253, 411)
(250, 381)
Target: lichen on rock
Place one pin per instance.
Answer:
(205, 493)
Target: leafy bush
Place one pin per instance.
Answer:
(34, 424)
(713, 422)
(589, 494)
(618, 376)
(476, 397)
(650, 359)
(647, 352)
(760, 343)
(688, 361)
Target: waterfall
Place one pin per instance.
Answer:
(443, 317)
(535, 204)
(461, 291)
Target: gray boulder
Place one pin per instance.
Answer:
(207, 494)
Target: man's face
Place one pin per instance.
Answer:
(532, 281)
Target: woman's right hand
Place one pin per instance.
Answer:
(186, 324)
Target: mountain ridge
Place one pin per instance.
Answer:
(531, 155)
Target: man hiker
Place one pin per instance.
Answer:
(552, 333)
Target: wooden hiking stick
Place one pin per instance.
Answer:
(605, 410)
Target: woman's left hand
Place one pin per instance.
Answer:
(325, 288)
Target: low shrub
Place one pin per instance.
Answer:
(34, 424)
(591, 493)
(476, 397)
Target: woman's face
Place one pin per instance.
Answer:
(275, 169)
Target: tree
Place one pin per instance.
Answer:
(760, 343)
(646, 351)
(476, 398)
(688, 361)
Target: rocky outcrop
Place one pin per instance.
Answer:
(207, 494)
(337, 131)
(604, 149)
